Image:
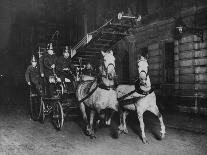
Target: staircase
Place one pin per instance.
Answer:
(104, 38)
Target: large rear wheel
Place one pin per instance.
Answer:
(57, 115)
(35, 105)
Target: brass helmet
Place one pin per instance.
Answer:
(66, 49)
(49, 46)
(89, 66)
(33, 59)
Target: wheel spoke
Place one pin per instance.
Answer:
(35, 103)
(57, 115)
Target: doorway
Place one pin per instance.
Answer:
(169, 62)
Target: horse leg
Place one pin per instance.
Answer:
(83, 111)
(141, 123)
(155, 111)
(91, 130)
(100, 117)
(124, 121)
(122, 127)
(108, 120)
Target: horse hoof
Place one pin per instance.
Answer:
(108, 123)
(87, 133)
(145, 141)
(126, 131)
(92, 136)
(162, 135)
(121, 128)
(120, 132)
(98, 122)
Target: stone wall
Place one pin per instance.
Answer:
(152, 36)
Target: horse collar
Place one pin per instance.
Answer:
(141, 60)
(147, 74)
(103, 86)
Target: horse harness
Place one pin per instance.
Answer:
(100, 85)
(123, 101)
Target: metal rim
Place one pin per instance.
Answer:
(57, 115)
(35, 105)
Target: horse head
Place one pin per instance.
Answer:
(108, 65)
(142, 68)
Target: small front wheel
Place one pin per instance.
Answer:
(42, 114)
(57, 115)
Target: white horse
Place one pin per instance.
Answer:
(144, 100)
(100, 93)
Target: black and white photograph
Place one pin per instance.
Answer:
(103, 77)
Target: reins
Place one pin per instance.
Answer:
(99, 85)
(90, 93)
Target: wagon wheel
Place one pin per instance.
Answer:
(35, 105)
(42, 114)
(57, 115)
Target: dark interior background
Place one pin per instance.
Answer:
(27, 24)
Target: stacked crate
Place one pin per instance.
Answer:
(155, 63)
(190, 70)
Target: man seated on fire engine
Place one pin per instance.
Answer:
(65, 68)
(49, 70)
(32, 75)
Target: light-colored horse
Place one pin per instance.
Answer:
(143, 103)
(102, 92)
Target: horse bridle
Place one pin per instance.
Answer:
(143, 70)
(145, 73)
(106, 68)
(101, 84)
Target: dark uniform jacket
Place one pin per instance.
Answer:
(49, 60)
(65, 63)
(32, 74)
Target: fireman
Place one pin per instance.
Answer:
(65, 68)
(32, 75)
(49, 69)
